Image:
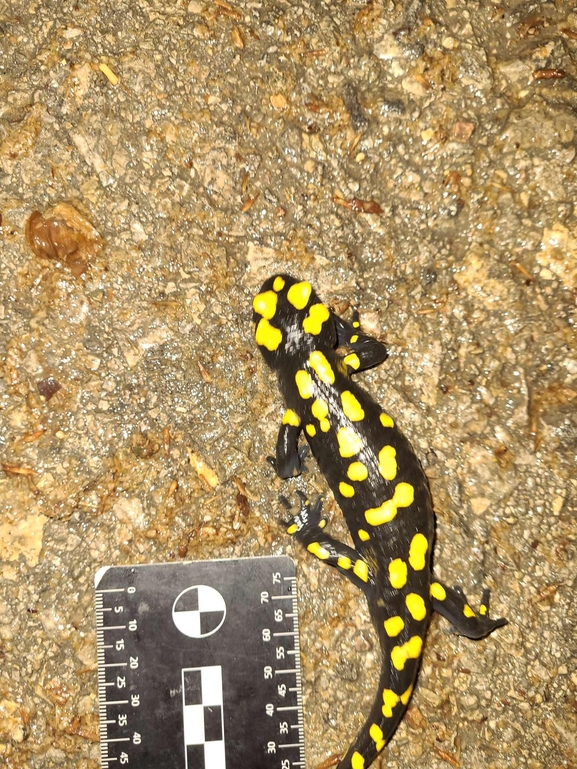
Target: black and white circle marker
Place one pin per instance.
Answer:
(199, 611)
(199, 665)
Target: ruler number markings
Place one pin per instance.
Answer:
(110, 690)
(279, 639)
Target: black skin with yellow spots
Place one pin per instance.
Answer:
(378, 482)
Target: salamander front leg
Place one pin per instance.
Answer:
(288, 461)
(307, 526)
(366, 350)
(452, 603)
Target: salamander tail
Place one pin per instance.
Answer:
(386, 713)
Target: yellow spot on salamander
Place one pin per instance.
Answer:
(403, 496)
(278, 283)
(265, 304)
(437, 591)
(346, 489)
(292, 529)
(354, 339)
(318, 550)
(390, 699)
(482, 609)
(386, 420)
(267, 335)
(313, 323)
(344, 562)
(357, 471)
(355, 324)
(290, 417)
(349, 441)
(357, 761)
(416, 606)
(417, 551)
(351, 407)
(364, 536)
(406, 695)
(321, 366)
(388, 462)
(410, 650)
(298, 294)
(467, 611)
(393, 626)
(398, 573)
(376, 734)
(320, 408)
(352, 360)
(311, 430)
(304, 384)
(361, 570)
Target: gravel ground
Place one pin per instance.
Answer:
(415, 159)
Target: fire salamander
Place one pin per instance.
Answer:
(376, 479)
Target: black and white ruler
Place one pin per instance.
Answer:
(199, 665)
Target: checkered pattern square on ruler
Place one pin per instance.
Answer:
(202, 704)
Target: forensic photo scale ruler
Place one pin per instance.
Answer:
(199, 665)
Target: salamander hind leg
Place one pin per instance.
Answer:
(452, 604)
(308, 525)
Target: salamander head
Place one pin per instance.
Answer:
(290, 319)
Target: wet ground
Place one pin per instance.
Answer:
(414, 159)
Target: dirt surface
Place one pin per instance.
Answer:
(415, 159)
